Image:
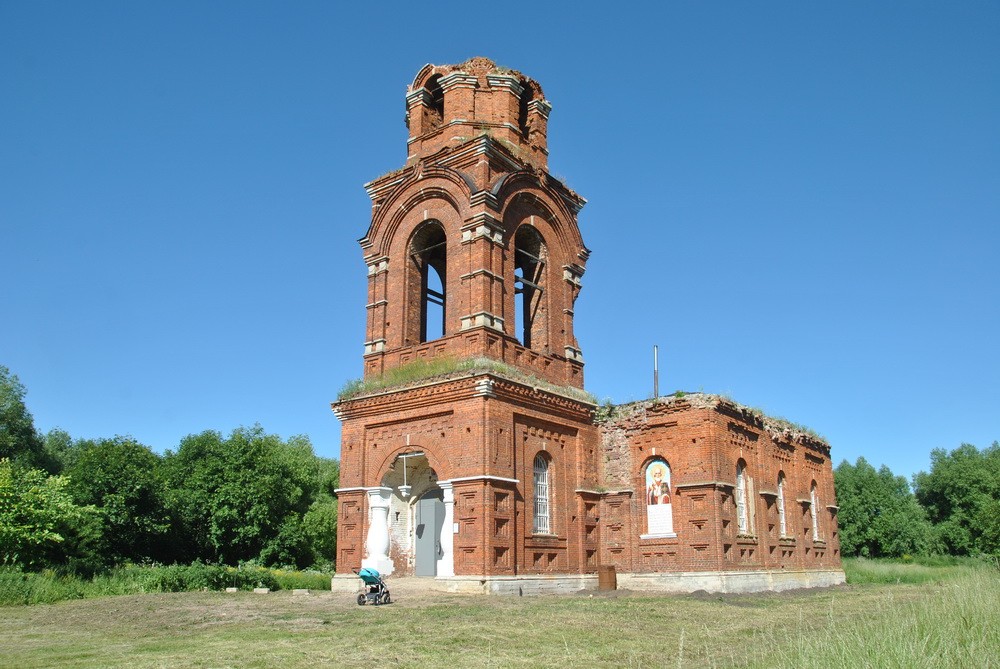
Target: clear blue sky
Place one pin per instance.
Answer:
(799, 202)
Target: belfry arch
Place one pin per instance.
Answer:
(426, 283)
(530, 303)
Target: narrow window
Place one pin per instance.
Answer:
(813, 503)
(781, 505)
(742, 521)
(541, 525)
(428, 253)
(529, 271)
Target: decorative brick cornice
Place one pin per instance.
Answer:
(379, 188)
(541, 107)
(458, 79)
(434, 392)
(476, 384)
(484, 198)
(489, 478)
(419, 96)
(706, 484)
(505, 81)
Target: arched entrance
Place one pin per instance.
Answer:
(418, 513)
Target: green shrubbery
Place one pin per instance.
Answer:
(48, 586)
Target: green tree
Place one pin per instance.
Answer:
(19, 441)
(120, 477)
(962, 496)
(320, 527)
(36, 510)
(59, 448)
(879, 516)
(242, 497)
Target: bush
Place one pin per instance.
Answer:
(20, 588)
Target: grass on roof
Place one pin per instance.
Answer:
(426, 369)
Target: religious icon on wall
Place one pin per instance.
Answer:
(659, 513)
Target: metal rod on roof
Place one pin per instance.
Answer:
(656, 374)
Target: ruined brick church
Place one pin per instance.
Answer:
(470, 451)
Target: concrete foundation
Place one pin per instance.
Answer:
(729, 582)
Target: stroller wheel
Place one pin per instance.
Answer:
(386, 599)
(362, 599)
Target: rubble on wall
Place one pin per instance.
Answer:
(617, 423)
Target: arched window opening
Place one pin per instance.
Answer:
(522, 111)
(541, 478)
(435, 111)
(742, 517)
(529, 270)
(814, 515)
(428, 252)
(782, 525)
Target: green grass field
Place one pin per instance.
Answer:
(895, 616)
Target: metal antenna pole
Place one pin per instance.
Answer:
(656, 374)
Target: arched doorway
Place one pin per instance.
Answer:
(418, 509)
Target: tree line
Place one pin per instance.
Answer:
(953, 509)
(85, 505)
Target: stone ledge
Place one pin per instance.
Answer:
(731, 581)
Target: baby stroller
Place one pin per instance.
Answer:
(374, 589)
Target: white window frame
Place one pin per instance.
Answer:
(742, 517)
(813, 503)
(541, 524)
(782, 523)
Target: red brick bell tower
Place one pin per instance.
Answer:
(469, 450)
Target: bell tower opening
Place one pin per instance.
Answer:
(428, 283)
(529, 288)
(522, 110)
(435, 109)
